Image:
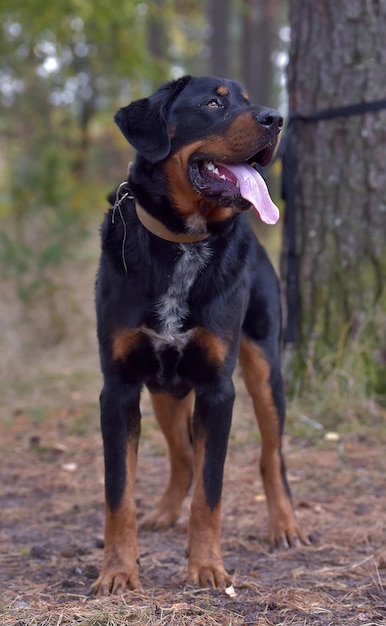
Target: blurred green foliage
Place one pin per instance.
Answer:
(65, 68)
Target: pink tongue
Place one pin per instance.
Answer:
(254, 189)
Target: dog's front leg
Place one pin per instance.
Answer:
(120, 423)
(211, 425)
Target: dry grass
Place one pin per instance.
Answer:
(322, 604)
(109, 612)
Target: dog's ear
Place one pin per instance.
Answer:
(144, 122)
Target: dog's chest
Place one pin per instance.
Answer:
(171, 308)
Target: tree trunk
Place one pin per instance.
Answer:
(338, 58)
(158, 41)
(257, 45)
(220, 42)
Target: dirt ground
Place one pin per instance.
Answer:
(51, 512)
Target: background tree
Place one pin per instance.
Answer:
(62, 68)
(337, 58)
(258, 41)
(244, 42)
(219, 16)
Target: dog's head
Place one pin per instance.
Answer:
(205, 137)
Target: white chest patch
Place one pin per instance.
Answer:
(172, 307)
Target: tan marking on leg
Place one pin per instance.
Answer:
(205, 566)
(214, 347)
(124, 341)
(120, 569)
(256, 371)
(173, 416)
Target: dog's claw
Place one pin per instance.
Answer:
(115, 584)
(286, 539)
(207, 576)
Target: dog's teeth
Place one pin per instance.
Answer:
(213, 169)
(238, 184)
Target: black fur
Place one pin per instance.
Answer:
(233, 293)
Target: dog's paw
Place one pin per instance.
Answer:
(115, 583)
(209, 575)
(157, 522)
(161, 518)
(289, 536)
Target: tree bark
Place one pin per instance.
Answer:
(338, 58)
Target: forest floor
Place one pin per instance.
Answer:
(51, 509)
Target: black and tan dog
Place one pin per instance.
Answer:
(183, 290)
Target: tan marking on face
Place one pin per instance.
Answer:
(218, 213)
(194, 207)
(185, 198)
(235, 145)
(214, 347)
(124, 341)
(246, 97)
(256, 372)
(222, 90)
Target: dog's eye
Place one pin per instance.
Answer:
(214, 104)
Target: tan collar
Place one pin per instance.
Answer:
(159, 229)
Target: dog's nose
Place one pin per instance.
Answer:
(270, 119)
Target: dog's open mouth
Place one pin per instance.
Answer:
(237, 184)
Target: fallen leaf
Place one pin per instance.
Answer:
(230, 591)
(70, 467)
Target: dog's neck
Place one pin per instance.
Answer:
(156, 227)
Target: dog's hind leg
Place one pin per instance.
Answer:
(174, 417)
(265, 386)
